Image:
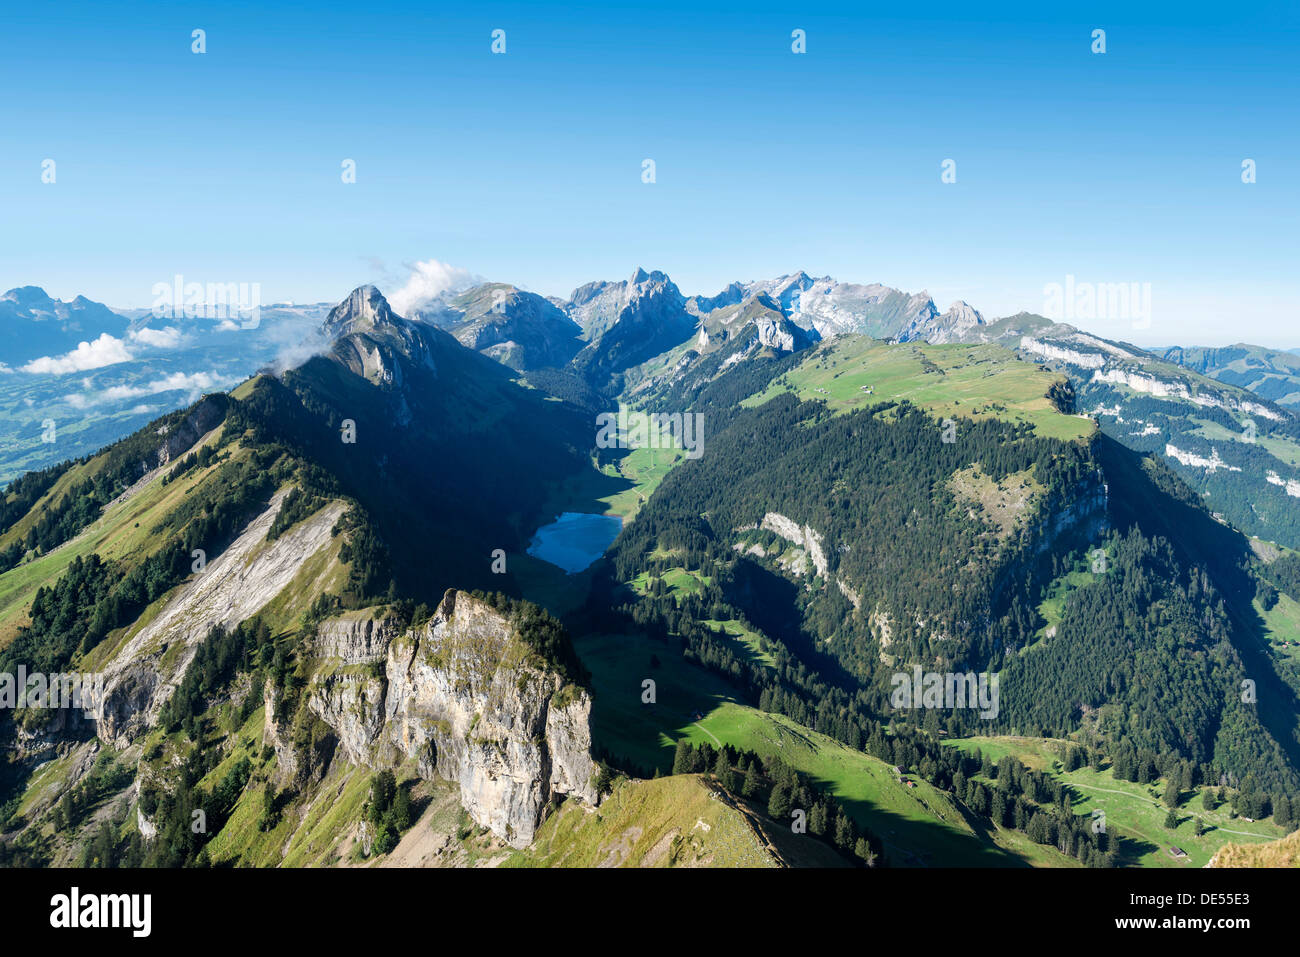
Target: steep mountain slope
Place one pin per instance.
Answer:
(753, 333)
(626, 323)
(1239, 450)
(519, 329)
(429, 436)
(217, 601)
(878, 542)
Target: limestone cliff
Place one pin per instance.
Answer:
(463, 697)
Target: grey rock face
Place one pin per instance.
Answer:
(355, 641)
(464, 698)
(206, 415)
(374, 342)
(519, 329)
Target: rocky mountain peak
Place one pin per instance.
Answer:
(364, 308)
(961, 317)
(28, 296)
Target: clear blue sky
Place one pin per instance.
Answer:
(1122, 167)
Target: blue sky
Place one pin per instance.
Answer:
(526, 167)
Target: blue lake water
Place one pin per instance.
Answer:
(575, 539)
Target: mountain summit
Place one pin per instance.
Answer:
(364, 309)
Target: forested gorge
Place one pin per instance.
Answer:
(874, 486)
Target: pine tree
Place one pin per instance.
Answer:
(779, 804)
(1171, 819)
(845, 832)
(402, 809)
(1283, 812)
(684, 757)
(722, 767)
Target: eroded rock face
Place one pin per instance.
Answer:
(806, 537)
(206, 415)
(235, 586)
(355, 641)
(464, 698)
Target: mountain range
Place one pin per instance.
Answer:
(321, 607)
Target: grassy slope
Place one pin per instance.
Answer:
(1280, 853)
(672, 821)
(122, 531)
(983, 381)
(1135, 812)
(919, 825)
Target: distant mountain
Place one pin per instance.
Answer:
(33, 325)
(627, 323)
(1270, 373)
(832, 308)
(519, 329)
(1219, 417)
(754, 329)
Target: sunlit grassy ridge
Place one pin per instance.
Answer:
(1281, 853)
(962, 381)
(673, 821)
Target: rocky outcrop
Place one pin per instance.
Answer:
(465, 699)
(1211, 464)
(372, 341)
(1291, 486)
(1166, 388)
(806, 537)
(1086, 360)
(355, 640)
(277, 737)
(205, 416)
(1081, 512)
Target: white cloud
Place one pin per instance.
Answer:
(190, 382)
(194, 383)
(168, 337)
(104, 351)
(428, 280)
